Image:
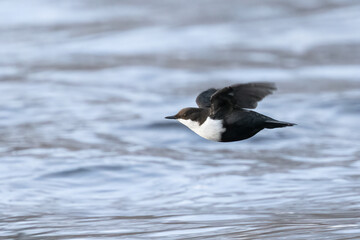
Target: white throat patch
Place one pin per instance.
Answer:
(211, 129)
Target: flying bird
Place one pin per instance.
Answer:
(223, 114)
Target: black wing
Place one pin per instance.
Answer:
(249, 94)
(236, 96)
(203, 100)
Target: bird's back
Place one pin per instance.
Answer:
(242, 124)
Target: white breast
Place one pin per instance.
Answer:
(211, 129)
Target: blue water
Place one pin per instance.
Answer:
(86, 152)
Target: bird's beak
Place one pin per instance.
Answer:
(171, 117)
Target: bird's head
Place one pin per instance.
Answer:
(187, 114)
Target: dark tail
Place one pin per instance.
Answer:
(277, 124)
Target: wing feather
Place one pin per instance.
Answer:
(203, 100)
(243, 95)
(249, 94)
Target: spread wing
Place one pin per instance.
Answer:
(249, 94)
(203, 100)
(236, 96)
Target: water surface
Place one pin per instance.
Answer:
(86, 154)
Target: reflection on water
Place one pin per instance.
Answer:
(86, 153)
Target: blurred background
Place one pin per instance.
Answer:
(87, 154)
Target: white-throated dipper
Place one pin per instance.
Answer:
(223, 114)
